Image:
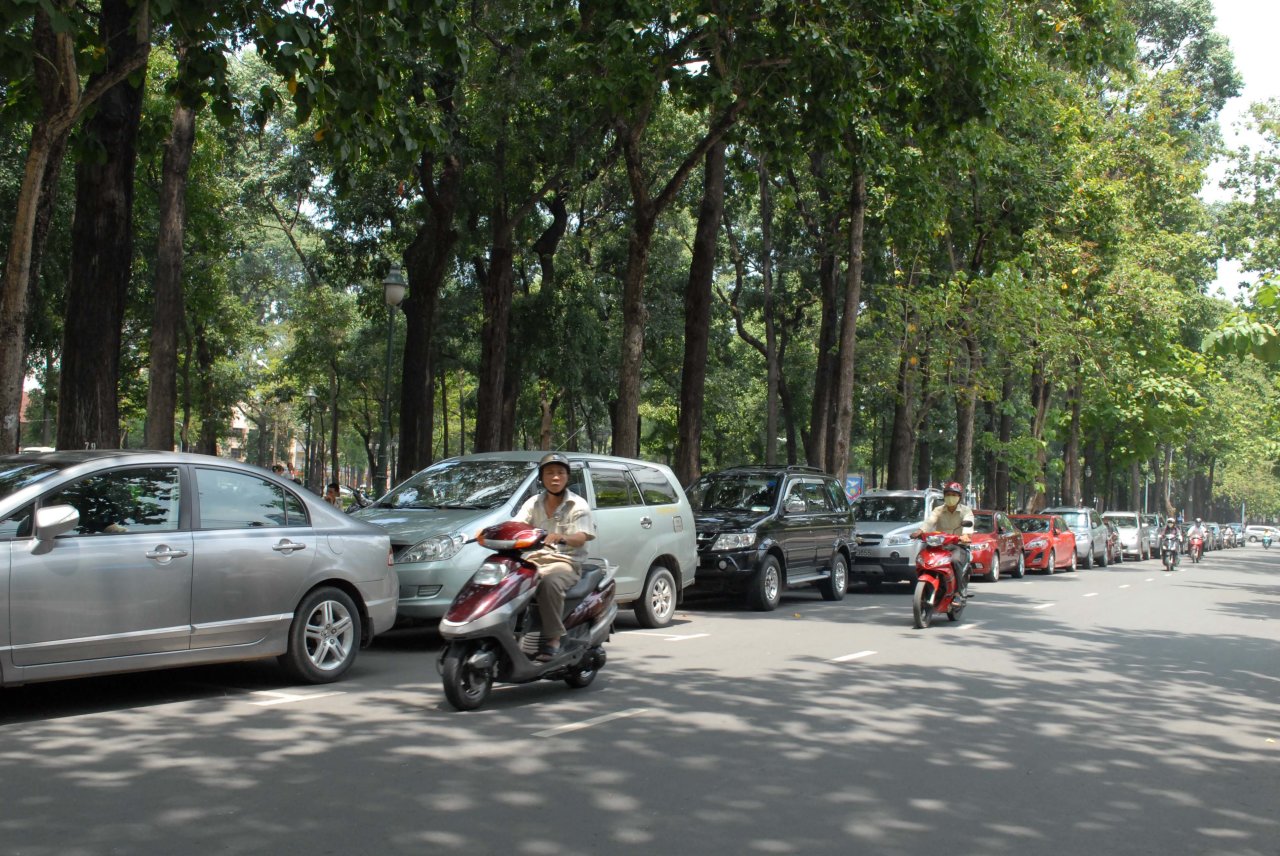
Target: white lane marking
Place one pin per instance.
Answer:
(971, 625)
(868, 607)
(858, 656)
(672, 637)
(1149, 580)
(1090, 594)
(587, 723)
(1126, 585)
(275, 697)
(1043, 606)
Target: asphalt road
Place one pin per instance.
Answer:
(1116, 711)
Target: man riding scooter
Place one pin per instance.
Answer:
(953, 518)
(566, 518)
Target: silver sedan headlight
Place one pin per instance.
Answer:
(734, 541)
(434, 549)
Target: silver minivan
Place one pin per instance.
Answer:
(1090, 532)
(644, 525)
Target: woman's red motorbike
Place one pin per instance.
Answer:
(492, 628)
(936, 580)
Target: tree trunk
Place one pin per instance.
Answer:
(1072, 489)
(697, 318)
(848, 328)
(966, 409)
(62, 103)
(168, 313)
(825, 231)
(427, 262)
(1005, 437)
(102, 251)
(496, 293)
(902, 439)
(1041, 390)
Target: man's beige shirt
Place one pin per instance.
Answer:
(948, 521)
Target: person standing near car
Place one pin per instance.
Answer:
(953, 517)
(567, 520)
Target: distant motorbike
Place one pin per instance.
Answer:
(1197, 548)
(1266, 542)
(1169, 551)
(493, 629)
(936, 581)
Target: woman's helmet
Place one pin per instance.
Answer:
(1197, 521)
(1169, 522)
(953, 487)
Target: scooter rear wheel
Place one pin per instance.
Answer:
(582, 678)
(465, 687)
(922, 604)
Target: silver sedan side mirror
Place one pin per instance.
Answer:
(54, 521)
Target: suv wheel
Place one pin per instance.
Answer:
(1088, 558)
(834, 586)
(657, 603)
(766, 586)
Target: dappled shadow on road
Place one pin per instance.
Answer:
(1119, 740)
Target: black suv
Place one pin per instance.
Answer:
(762, 529)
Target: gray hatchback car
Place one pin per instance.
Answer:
(644, 525)
(114, 561)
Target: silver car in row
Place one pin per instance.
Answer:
(114, 561)
(644, 526)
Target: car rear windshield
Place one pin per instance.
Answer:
(984, 523)
(1126, 520)
(460, 484)
(1075, 519)
(889, 509)
(733, 492)
(14, 476)
(1032, 524)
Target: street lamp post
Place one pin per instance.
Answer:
(393, 288)
(306, 452)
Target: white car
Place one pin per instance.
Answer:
(1134, 540)
(1254, 533)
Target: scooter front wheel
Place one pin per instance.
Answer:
(465, 686)
(922, 604)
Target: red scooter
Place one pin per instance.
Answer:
(936, 580)
(1197, 548)
(493, 629)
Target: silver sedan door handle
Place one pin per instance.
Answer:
(287, 547)
(164, 554)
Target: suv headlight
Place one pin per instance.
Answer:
(734, 541)
(433, 549)
(897, 541)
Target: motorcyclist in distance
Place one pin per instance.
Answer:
(1198, 528)
(1171, 527)
(953, 517)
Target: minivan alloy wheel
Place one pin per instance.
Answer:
(657, 603)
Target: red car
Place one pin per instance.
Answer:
(996, 546)
(1048, 541)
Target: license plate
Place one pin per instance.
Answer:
(866, 552)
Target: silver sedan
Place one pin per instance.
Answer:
(118, 560)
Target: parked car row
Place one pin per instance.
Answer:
(124, 560)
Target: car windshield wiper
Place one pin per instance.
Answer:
(467, 505)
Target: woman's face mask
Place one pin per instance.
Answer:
(951, 500)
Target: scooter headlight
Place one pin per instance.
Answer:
(490, 574)
(935, 540)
